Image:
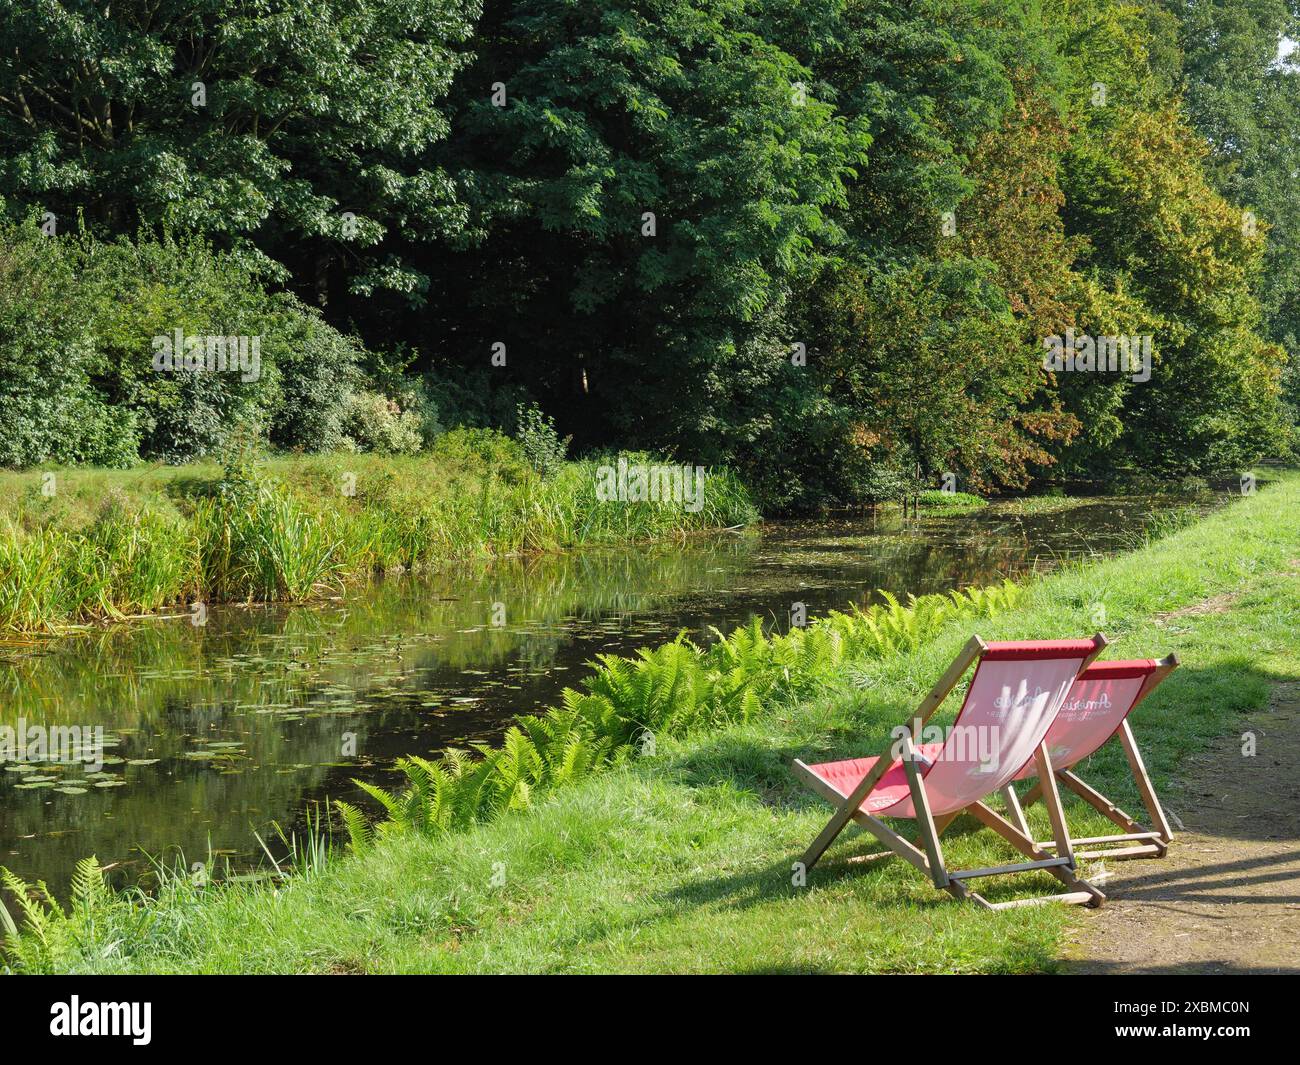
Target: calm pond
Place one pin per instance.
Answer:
(213, 733)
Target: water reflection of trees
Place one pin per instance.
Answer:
(285, 684)
(262, 655)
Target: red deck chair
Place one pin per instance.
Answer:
(1095, 710)
(1015, 694)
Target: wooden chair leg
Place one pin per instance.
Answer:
(1149, 799)
(1052, 800)
(1017, 815)
(1004, 828)
(1153, 845)
(924, 819)
(891, 839)
(1097, 800)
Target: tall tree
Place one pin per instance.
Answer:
(1242, 89)
(293, 128)
(648, 179)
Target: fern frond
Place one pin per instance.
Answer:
(387, 799)
(90, 894)
(360, 834)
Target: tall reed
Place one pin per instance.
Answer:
(249, 537)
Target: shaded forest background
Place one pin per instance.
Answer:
(819, 241)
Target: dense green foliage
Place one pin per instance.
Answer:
(1246, 103)
(78, 379)
(295, 128)
(824, 242)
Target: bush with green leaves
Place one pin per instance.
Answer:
(483, 450)
(48, 360)
(470, 397)
(377, 423)
(541, 444)
(318, 373)
(81, 322)
(138, 295)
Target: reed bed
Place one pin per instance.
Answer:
(288, 533)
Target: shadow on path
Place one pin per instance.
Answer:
(1227, 898)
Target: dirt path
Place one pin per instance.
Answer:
(1227, 898)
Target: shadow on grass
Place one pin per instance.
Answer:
(1199, 968)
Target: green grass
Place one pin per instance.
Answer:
(933, 497)
(80, 546)
(682, 861)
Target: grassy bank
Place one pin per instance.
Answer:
(680, 859)
(84, 545)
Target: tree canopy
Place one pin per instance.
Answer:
(827, 242)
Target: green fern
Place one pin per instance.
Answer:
(29, 947)
(668, 690)
(90, 894)
(360, 835)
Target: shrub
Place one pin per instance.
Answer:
(377, 423)
(318, 376)
(934, 497)
(78, 380)
(420, 400)
(135, 292)
(52, 412)
(471, 398)
(483, 449)
(541, 444)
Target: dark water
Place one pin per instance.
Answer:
(214, 733)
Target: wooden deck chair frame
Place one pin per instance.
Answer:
(1135, 841)
(928, 855)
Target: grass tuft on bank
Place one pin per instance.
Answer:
(934, 497)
